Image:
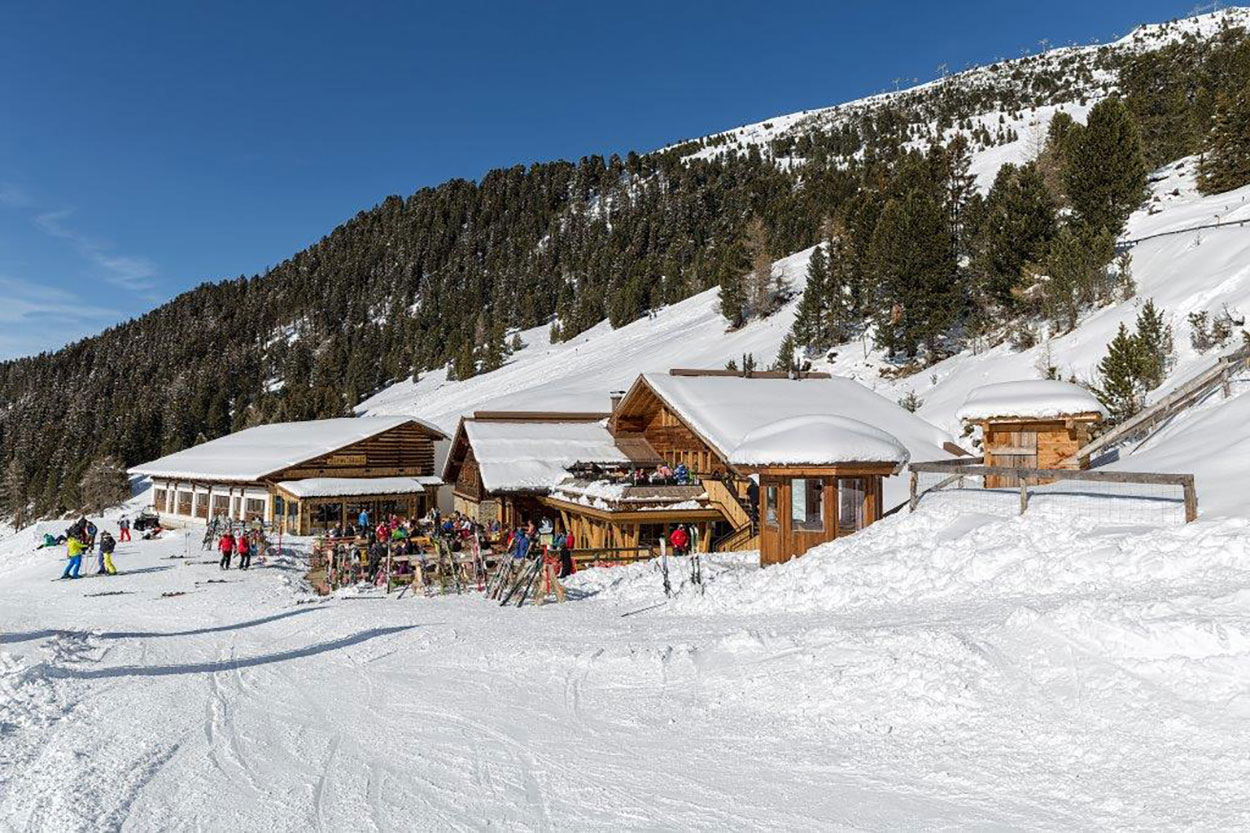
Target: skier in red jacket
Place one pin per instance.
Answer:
(244, 548)
(226, 545)
(680, 539)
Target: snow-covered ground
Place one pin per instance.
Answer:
(937, 671)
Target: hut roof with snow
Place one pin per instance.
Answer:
(255, 453)
(723, 410)
(532, 451)
(1033, 399)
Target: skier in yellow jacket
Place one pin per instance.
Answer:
(74, 549)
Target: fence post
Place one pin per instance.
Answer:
(1191, 500)
(1024, 494)
(911, 504)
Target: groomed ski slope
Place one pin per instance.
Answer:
(938, 671)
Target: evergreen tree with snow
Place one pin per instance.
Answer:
(914, 261)
(785, 355)
(1225, 162)
(811, 319)
(104, 484)
(1017, 224)
(1119, 374)
(1154, 343)
(1105, 173)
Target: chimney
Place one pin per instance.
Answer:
(616, 396)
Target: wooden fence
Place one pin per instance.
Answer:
(957, 470)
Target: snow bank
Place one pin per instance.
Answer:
(817, 440)
(1032, 399)
(941, 554)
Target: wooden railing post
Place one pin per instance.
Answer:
(1024, 494)
(911, 504)
(1191, 500)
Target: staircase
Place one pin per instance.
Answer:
(724, 496)
(1185, 396)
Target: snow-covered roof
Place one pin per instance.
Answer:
(255, 452)
(534, 456)
(725, 409)
(818, 440)
(347, 486)
(1029, 399)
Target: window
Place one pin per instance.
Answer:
(234, 507)
(852, 496)
(221, 505)
(158, 500)
(806, 504)
(254, 509)
(770, 504)
(279, 506)
(184, 503)
(201, 506)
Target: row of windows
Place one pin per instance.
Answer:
(807, 504)
(189, 503)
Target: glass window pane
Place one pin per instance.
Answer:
(852, 493)
(770, 504)
(806, 504)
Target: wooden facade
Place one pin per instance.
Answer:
(801, 507)
(645, 414)
(1022, 443)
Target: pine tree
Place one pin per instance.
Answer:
(1105, 174)
(1120, 389)
(733, 292)
(104, 484)
(1017, 226)
(15, 492)
(1225, 162)
(761, 284)
(912, 255)
(785, 355)
(1154, 342)
(811, 319)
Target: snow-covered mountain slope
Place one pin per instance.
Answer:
(1085, 79)
(1183, 271)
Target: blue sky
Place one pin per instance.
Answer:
(147, 147)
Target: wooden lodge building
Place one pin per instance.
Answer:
(301, 476)
(1034, 424)
(574, 468)
(501, 463)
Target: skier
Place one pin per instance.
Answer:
(123, 529)
(91, 530)
(107, 545)
(567, 568)
(226, 545)
(244, 548)
(680, 539)
(74, 549)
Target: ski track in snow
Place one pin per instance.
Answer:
(936, 671)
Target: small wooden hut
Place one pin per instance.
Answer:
(1035, 424)
(820, 478)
